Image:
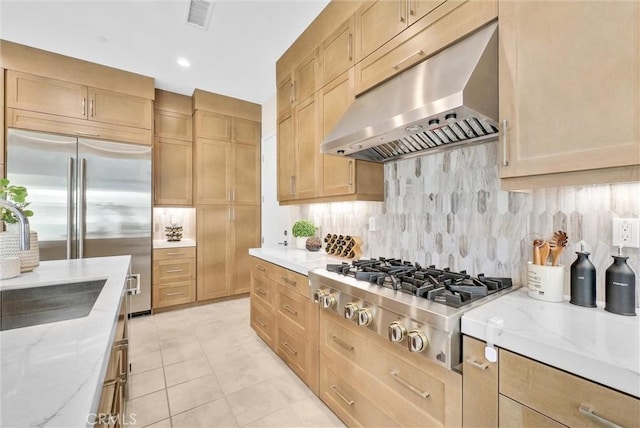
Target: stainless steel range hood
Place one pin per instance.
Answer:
(448, 100)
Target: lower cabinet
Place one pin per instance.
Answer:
(174, 276)
(515, 415)
(479, 386)
(283, 315)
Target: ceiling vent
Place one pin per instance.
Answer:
(199, 13)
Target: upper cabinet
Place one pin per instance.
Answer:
(337, 51)
(46, 95)
(377, 22)
(569, 93)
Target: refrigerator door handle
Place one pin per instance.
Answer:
(135, 278)
(69, 206)
(81, 207)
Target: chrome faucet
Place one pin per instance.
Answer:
(25, 243)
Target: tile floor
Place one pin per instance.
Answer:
(205, 367)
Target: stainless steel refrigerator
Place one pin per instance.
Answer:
(91, 198)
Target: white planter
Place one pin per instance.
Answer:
(10, 247)
(301, 242)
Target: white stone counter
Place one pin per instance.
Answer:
(588, 342)
(51, 374)
(163, 243)
(301, 261)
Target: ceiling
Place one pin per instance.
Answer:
(234, 56)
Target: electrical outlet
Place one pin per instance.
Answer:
(626, 232)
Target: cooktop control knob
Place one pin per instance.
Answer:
(328, 300)
(350, 311)
(417, 341)
(397, 331)
(364, 316)
(317, 296)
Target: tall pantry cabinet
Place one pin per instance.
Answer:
(227, 192)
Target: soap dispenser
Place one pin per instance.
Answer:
(583, 280)
(620, 287)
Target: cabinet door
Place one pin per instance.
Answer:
(214, 257)
(214, 126)
(337, 171)
(479, 386)
(173, 172)
(419, 8)
(246, 231)
(286, 160)
(246, 181)
(337, 51)
(245, 131)
(285, 96)
(378, 22)
(308, 148)
(213, 182)
(571, 98)
(176, 126)
(41, 94)
(120, 109)
(306, 79)
(515, 415)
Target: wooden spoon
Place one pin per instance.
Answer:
(558, 242)
(537, 243)
(544, 253)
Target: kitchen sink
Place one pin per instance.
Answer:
(24, 307)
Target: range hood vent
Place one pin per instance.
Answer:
(446, 101)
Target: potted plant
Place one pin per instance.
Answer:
(303, 230)
(29, 259)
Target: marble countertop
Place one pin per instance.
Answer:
(588, 342)
(52, 374)
(163, 243)
(301, 261)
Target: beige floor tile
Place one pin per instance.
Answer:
(291, 387)
(165, 423)
(313, 413)
(220, 331)
(255, 402)
(210, 415)
(139, 344)
(239, 373)
(193, 393)
(176, 338)
(186, 370)
(146, 382)
(280, 419)
(143, 362)
(149, 409)
(179, 353)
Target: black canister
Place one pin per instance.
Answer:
(620, 287)
(583, 281)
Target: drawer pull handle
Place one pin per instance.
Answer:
(261, 268)
(175, 270)
(288, 281)
(179, 253)
(588, 412)
(177, 293)
(290, 310)
(474, 363)
(259, 321)
(261, 291)
(403, 60)
(342, 397)
(396, 376)
(343, 344)
(288, 348)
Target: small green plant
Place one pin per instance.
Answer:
(303, 228)
(17, 195)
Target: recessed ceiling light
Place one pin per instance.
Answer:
(183, 62)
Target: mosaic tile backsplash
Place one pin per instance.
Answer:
(447, 209)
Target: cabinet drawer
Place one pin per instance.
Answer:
(263, 289)
(175, 293)
(174, 253)
(295, 282)
(347, 402)
(295, 351)
(173, 270)
(263, 322)
(561, 395)
(479, 386)
(515, 415)
(266, 270)
(293, 310)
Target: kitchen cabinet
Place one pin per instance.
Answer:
(407, 390)
(340, 175)
(337, 51)
(559, 92)
(416, 9)
(515, 415)
(173, 172)
(297, 84)
(377, 22)
(29, 92)
(286, 160)
(174, 276)
(173, 125)
(445, 24)
(563, 397)
(479, 386)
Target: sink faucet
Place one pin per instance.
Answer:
(25, 243)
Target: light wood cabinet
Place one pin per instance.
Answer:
(246, 234)
(263, 322)
(173, 277)
(337, 51)
(515, 415)
(447, 23)
(286, 160)
(563, 397)
(173, 125)
(214, 126)
(284, 95)
(46, 95)
(377, 22)
(479, 386)
(570, 99)
(416, 9)
(213, 171)
(173, 172)
(305, 78)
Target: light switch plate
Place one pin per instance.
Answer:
(626, 232)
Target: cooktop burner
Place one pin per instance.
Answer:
(443, 286)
